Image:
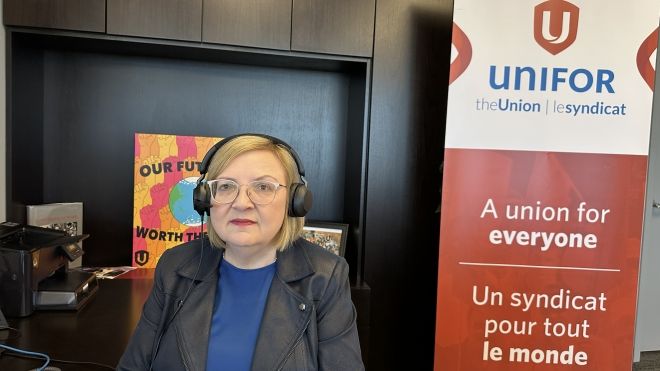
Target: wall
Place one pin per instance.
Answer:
(409, 94)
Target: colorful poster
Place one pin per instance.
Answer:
(166, 172)
(547, 138)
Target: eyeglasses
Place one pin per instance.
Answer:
(260, 192)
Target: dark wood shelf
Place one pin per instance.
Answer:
(75, 142)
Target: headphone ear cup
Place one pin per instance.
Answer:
(202, 199)
(301, 200)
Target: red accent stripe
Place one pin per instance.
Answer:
(462, 44)
(644, 66)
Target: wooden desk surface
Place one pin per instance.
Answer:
(99, 332)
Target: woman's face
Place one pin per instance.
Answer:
(243, 224)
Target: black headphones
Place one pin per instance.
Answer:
(300, 198)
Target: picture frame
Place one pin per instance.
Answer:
(330, 236)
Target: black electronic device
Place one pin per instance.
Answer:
(71, 290)
(34, 259)
(300, 197)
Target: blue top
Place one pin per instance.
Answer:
(239, 305)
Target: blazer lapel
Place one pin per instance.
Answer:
(285, 318)
(287, 312)
(193, 323)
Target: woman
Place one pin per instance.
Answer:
(253, 296)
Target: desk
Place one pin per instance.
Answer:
(99, 332)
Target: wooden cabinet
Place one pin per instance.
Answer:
(255, 23)
(79, 15)
(336, 27)
(342, 27)
(164, 19)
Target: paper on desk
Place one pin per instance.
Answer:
(107, 272)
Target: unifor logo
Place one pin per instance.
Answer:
(141, 257)
(555, 25)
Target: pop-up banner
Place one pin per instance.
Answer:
(547, 140)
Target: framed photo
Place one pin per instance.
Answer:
(330, 236)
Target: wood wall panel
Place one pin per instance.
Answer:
(408, 106)
(263, 24)
(164, 19)
(80, 15)
(336, 27)
(25, 151)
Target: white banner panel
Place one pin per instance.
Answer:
(514, 94)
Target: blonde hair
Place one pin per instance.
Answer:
(291, 226)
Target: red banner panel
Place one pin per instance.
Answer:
(539, 260)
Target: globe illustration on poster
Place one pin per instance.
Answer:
(181, 204)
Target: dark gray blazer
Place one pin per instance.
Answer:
(308, 322)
